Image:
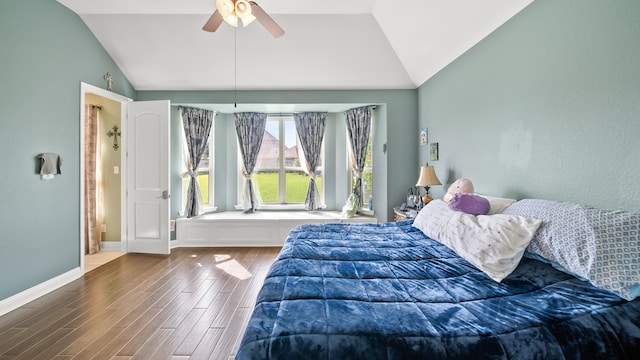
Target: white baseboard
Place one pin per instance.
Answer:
(22, 298)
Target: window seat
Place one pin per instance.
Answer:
(262, 228)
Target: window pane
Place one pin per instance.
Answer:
(368, 160)
(367, 187)
(319, 175)
(203, 181)
(278, 176)
(296, 180)
(204, 159)
(297, 183)
(266, 186)
(290, 144)
(269, 150)
(367, 175)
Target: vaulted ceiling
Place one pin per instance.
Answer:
(327, 45)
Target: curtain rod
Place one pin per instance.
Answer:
(373, 107)
(96, 106)
(180, 107)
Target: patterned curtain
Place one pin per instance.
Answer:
(250, 129)
(197, 127)
(92, 185)
(310, 129)
(358, 125)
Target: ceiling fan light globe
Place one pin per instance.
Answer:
(248, 20)
(225, 7)
(242, 9)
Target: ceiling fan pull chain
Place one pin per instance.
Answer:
(235, 67)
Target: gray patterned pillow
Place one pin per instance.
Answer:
(598, 245)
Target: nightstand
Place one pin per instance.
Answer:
(400, 215)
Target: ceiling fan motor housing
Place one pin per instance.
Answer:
(230, 10)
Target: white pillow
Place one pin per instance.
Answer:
(492, 243)
(498, 204)
(602, 246)
(433, 217)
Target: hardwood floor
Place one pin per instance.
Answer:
(192, 304)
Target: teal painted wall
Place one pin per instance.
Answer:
(547, 106)
(46, 52)
(396, 120)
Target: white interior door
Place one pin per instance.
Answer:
(148, 177)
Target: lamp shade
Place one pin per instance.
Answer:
(428, 177)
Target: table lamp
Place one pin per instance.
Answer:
(427, 178)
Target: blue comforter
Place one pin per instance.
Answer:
(387, 291)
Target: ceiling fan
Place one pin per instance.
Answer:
(248, 11)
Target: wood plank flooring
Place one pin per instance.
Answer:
(192, 304)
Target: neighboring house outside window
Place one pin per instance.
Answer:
(204, 175)
(279, 179)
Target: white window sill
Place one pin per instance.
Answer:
(206, 210)
(366, 212)
(288, 207)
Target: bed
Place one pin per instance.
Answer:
(390, 291)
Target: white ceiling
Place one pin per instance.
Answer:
(327, 45)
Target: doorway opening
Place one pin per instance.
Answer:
(94, 261)
(108, 171)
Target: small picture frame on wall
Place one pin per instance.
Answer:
(433, 152)
(424, 136)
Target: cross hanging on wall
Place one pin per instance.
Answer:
(115, 133)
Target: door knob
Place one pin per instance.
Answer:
(165, 195)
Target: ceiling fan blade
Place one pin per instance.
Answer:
(214, 22)
(266, 20)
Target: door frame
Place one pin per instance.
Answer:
(90, 89)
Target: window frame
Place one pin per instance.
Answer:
(282, 171)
